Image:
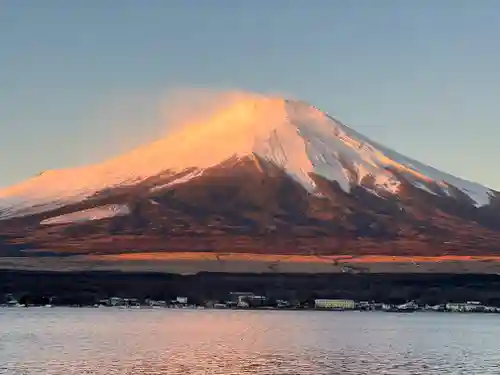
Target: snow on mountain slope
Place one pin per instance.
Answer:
(293, 135)
(96, 213)
(187, 177)
(369, 157)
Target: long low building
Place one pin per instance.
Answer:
(335, 304)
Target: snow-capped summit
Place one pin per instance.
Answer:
(292, 135)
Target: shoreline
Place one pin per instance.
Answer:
(202, 308)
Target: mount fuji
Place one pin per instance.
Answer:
(261, 175)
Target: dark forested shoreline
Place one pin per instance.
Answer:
(84, 288)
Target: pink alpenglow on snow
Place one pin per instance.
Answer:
(293, 135)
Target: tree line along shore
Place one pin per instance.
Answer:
(88, 288)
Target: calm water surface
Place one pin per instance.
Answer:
(111, 341)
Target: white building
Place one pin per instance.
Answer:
(335, 304)
(182, 300)
(469, 306)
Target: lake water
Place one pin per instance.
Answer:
(111, 341)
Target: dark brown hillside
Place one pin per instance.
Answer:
(249, 205)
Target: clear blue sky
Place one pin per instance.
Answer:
(422, 77)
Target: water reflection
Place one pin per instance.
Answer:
(108, 341)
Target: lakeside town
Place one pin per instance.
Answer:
(247, 300)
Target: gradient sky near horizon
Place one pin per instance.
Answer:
(80, 81)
